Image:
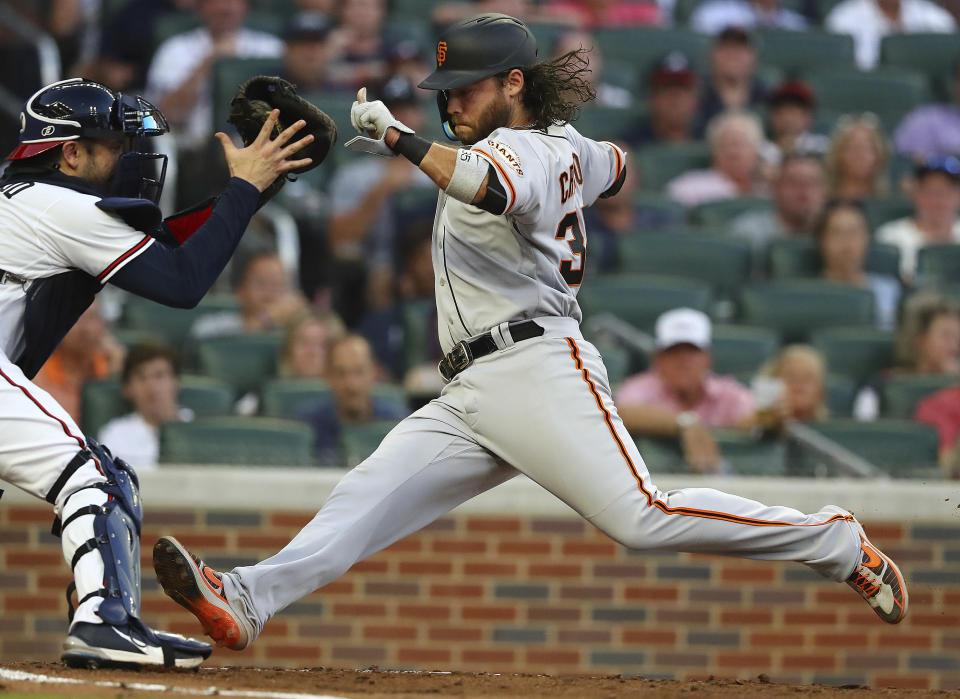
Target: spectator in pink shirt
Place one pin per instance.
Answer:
(592, 14)
(680, 397)
(942, 410)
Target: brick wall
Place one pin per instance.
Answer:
(493, 592)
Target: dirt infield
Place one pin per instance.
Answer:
(21, 679)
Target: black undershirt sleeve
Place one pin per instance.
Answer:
(495, 198)
(181, 276)
(617, 183)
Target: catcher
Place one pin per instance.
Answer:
(79, 209)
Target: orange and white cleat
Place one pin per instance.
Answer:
(878, 580)
(199, 588)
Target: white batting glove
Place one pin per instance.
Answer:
(372, 118)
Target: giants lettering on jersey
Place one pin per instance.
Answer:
(508, 154)
(570, 179)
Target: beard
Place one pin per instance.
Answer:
(493, 116)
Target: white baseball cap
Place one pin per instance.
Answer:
(682, 326)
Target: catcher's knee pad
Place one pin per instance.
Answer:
(116, 537)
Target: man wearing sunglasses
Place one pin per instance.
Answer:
(78, 209)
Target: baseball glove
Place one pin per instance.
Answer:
(253, 103)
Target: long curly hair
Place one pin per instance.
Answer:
(555, 90)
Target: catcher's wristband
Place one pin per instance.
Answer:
(412, 147)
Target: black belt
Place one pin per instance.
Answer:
(465, 352)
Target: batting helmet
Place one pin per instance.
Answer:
(78, 108)
(478, 47)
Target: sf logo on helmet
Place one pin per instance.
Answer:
(441, 53)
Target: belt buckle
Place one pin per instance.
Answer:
(460, 357)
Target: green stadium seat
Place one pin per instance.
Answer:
(417, 316)
(661, 455)
(392, 393)
(797, 308)
(857, 353)
(604, 123)
(720, 213)
(238, 441)
(640, 299)
(172, 324)
(229, 74)
(128, 337)
(901, 394)
(741, 349)
(938, 264)
(841, 392)
(934, 55)
(660, 206)
(623, 75)
(901, 448)
(658, 164)
(720, 261)
(360, 441)
(284, 397)
(880, 210)
(790, 258)
(747, 455)
(805, 52)
(643, 46)
(102, 400)
(243, 361)
(172, 23)
(888, 93)
(617, 361)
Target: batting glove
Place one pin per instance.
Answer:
(372, 117)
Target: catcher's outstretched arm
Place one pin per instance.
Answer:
(181, 276)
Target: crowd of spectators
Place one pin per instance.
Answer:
(348, 294)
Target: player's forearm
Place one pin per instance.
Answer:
(438, 164)
(649, 419)
(181, 276)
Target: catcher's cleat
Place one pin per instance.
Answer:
(878, 580)
(131, 645)
(199, 588)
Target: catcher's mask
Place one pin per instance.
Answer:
(78, 108)
(477, 48)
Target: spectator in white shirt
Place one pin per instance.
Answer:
(714, 16)
(179, 76)
(936, 221)
(868, 21)
(151, 383)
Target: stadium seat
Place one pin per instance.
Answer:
(243, 361)
(901, 448)
(229, 74)
(643, 46)
(720, 261)
(934, 55)
(238, 441)
(128, 337)
(797, 308)
(658, 164)
(660, 207)
(805, 52)
(617, 361)
(604, 123)
(720, 213)
(858, 353)
(747, 455)
(889, 94)
(880, 210)
(901, 394)
(791, 258)
(741, 349)
(170, 24)
(102, 400)
(938, 264)
(417, 316)
(841, 392)
(639, 299)
(172, 324)
(360, 441)
(284, 397)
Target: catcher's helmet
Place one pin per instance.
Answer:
(78, 108)
(478, 47)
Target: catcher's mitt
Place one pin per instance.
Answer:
(253, 103)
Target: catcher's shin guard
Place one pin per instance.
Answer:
(107, 565)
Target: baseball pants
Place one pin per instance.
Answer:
(543, 408)
(38, 438)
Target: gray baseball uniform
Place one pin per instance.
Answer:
(538, 406)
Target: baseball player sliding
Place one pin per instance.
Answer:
(525, 393)
(77, 210)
